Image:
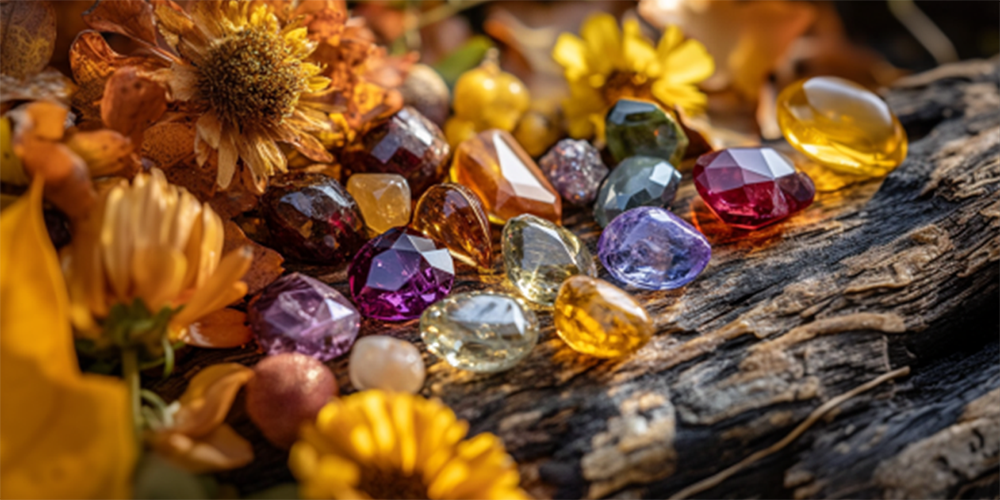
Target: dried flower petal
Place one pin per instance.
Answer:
(132, 103)
(93, 62)
(221, 329)
(132, 18)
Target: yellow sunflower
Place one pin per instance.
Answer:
(604, 64)
(247, 76)
(374, 444)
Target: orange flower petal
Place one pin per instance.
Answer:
(221, 329)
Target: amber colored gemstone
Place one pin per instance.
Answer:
(597, 318)
(384, 200)
(454, 216)
(407, 144)
(842, 126)
(494, 166)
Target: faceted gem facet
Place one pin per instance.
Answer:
(575, 169)
(311, 217)
(453, 215)
(751, 187)
(297, 313)
(636, 182)
(643, 128)
(386, 363)
(597, 318)
(841, 125)
(480, 331)
(407, 144)
(540, 255)
(384, 200)
(495, 167)
(653, 249)
(398, 274)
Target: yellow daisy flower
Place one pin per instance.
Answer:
(604, 64)
(374, 444)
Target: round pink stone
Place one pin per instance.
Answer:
(398, 274)
(751, 187)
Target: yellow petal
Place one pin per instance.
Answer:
(222, 449)
(671, 38)
(209, 395)
(690, 62)
(637, 50)
(686, 97)
(220, 289)
(572, 54)
(604, 40)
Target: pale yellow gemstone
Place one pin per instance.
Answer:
(384, 200)
(539, 255)
(386, 363)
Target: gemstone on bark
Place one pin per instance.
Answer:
(653, 249)
(751, 187)
(575, 169)
(398, 274)
(638, 181)
(495, 167)
(407, 144)
(540, 255)
(842, 126)
(453, 215)
(310, 217)
(301, 314)
(384, 200)
(480, 331)
(386, 363)
(597, 318)
(634, 127)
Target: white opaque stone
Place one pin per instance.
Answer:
(386, 363)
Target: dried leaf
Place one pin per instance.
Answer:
(324, 18)
(222, 329)
(104, 151)
(132, 103)
(93, 62)
(169, 143)
(27, 37)
(266, 265)
(49, 85)
(132, 18)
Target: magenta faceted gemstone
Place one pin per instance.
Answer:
(297, 313)
(399, 273)
(751, 187)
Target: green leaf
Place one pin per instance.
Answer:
(463, 59)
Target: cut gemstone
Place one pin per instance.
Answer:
(575, 169)
(643, 128)
(597, 318)
(480, 331)
(841, 125)
(386, 363)
(407, 144)
(300, 314)
(310, 217)
(384, 200)
(653, 249)
(495, 167)
(398, 274)
(540, 255)
(453, 215)
(638, 181)
(751, 187)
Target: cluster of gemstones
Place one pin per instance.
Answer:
(402, 261)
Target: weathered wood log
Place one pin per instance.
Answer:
(874, 277)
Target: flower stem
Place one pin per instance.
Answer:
(130, 372)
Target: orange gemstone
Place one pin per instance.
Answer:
(454, 216)
(494, 166)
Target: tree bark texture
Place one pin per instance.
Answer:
(876, 276)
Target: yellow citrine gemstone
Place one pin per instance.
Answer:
(841, 125)
(384, 200)
(597, 318)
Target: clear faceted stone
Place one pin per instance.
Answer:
(480, 331)
(386, 363)
(575, 170)
(297, 313)
(540, 255)
(638, 181)
(643, 128)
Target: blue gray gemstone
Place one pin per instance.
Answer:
(639, 181)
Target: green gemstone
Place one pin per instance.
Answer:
(644, 128)
(540, 255)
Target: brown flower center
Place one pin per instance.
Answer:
(248, 81)
(379, 483)
(627, 84)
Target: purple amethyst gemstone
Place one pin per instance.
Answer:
(297, 313)
(653, 249)
(575, 170)
(399, 273)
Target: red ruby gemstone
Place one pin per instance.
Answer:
(751, 187)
